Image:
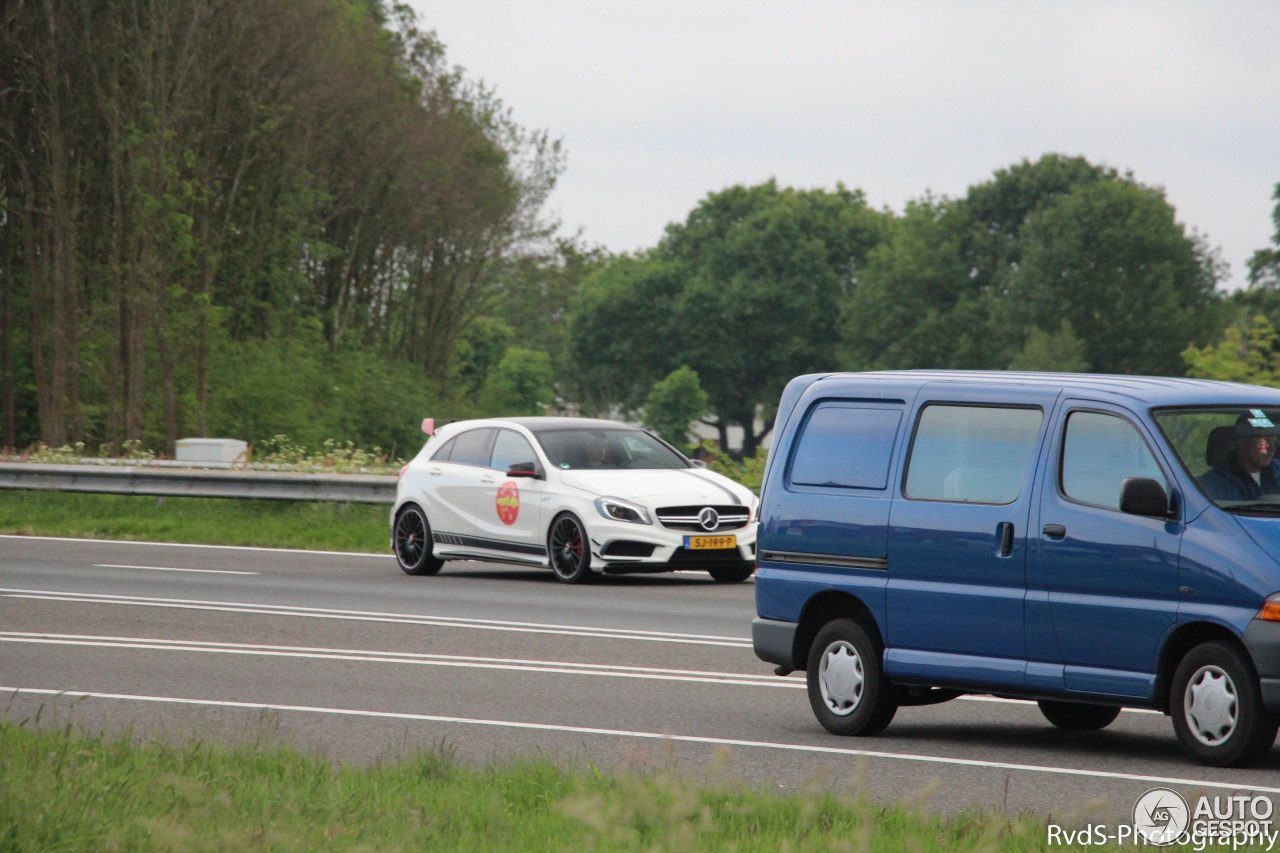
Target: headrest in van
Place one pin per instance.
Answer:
(1218, 447)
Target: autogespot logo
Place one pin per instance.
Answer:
(1161, 816)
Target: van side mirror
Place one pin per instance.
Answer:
(1143, 496)
(523, 469)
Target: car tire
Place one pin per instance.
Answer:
(1078, 716)
(569, 550)
(732, 574)
(848, 690)
(1217, 709)
(411, 541)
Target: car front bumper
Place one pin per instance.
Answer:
(620, 550)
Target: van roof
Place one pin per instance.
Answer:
(1154, 391)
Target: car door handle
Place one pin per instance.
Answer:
(1055, 531)
(487, 480)
(1004, 539)
(434, 472)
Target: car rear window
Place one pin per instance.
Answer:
(846, 445)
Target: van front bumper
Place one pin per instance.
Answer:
(1262, 639)
(774, 641)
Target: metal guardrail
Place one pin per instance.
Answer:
(194, 483)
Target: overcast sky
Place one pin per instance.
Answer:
(659, 103)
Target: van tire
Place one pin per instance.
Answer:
(848, 690)
(1217, 708)
(1078, 716)
(732, 574)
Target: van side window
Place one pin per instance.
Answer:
(1098, 452)
(972, 454)
(846, 445)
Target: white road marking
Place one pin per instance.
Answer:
(172, 569)
(374, 616)
(195, 545)
(623, 733)
(460, 661)
(420, 659)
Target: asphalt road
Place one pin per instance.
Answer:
(344, 653)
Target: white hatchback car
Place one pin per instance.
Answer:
(584, 497)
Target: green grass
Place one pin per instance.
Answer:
(206, 521)
(62, 789)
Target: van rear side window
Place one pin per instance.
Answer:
(972, 454)
(846, 445)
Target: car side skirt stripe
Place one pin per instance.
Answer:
(877, 563)
(488, 544)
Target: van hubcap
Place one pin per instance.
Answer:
(841, 678)
(1210, 705)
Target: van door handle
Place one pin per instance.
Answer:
(1055, 531)
(1004, 539)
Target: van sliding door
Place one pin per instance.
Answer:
(958, 536)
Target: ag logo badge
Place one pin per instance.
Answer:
(508, 502)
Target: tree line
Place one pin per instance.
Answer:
(1056, 264)
(198, 196)
(261, 217)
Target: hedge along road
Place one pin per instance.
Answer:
(345, 654)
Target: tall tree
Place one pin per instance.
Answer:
(1111, 259)
(1264, 266)
(180, 175)
(752, 282)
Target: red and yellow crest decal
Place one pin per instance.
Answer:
(508, 502)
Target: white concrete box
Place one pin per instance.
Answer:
(210, 450)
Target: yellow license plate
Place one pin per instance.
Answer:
(704, 543)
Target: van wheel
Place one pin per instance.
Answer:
(847, 686)
(732, 574)
(1078, 716)
(1217, 707)
(412, 542)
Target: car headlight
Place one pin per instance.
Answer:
(623, 510)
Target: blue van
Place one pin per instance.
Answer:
(1087, 542)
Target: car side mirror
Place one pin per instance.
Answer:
(523, 469)
(1144, 496)
(698, 463)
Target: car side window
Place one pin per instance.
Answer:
(509, 448)
(972, 454)
(442, 454)
(846, 445)
(1099, 451)
(472, 447)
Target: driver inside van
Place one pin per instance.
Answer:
(1251, 468)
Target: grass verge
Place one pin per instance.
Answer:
(206, 521)
(63, 789)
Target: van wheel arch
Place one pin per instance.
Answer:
(1183, 640)
(825, 607)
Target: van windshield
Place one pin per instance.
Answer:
(1231, 452)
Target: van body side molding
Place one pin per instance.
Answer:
(877, 563)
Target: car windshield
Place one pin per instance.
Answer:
(608, 449)
(1231, 453)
